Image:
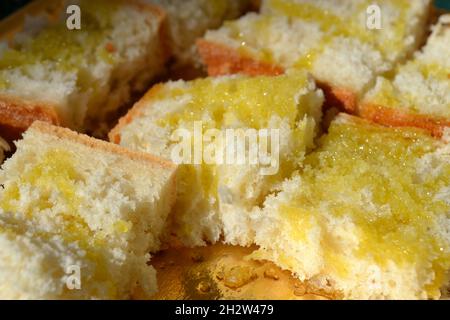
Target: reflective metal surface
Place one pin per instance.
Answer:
(224, 272)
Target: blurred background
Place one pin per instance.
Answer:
(9, 6)
(444, 4)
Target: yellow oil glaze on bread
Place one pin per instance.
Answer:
(328, 38)
(77, 78)
(367, 216)
(70, 202)
(214, 198)
(418, 95)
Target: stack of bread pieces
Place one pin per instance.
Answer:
(355, 202)
(79, 216)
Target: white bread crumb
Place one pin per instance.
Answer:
(73, 200)
(367, 218)
(201, 215)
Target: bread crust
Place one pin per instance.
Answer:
(133, 113)
(339, 97)
(18, 114)
(399, 118)
(222, 60)
(64, 133)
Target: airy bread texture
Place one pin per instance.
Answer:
(76, 78)
(368, 216)
(190, 19)
(214, 198)
(328, 38)
(72, 201)
(419, 93)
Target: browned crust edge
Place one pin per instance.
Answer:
(222, 60)
(67, 134)
(338, 97)
(19, 114)
(400, 118)
(134, 112)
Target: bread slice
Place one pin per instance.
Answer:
(419, 92)
(367, 217)
(77, 78)
(328, 38)
(215, 195)
(70, 201)
(190, 19)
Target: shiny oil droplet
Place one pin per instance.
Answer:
(220, 275)
(300, 290)
(238, 276)
(203, 287)
(271, 273)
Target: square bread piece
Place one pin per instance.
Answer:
(70, 201)
(77, 78)
(328, 38)
(190, 19)
(368, 217)
(214, 196)
(419, 92)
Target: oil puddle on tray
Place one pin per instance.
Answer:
(223, 272)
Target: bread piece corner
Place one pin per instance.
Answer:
(418, 95)
(367, 217)
(71, 201)
(79, 78)
(215, 197)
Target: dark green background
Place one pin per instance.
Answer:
(445, 4)
(8, 6)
